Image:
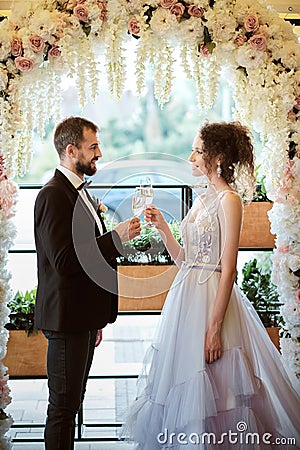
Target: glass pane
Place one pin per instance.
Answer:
(24, 219)
(23, 269)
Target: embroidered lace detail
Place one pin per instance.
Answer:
(202, 240)
(200, 231)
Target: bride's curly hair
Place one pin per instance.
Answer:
(232, 143)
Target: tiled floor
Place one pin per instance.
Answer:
(106, 400)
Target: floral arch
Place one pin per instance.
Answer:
(43, 39)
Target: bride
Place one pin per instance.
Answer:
(212, 377)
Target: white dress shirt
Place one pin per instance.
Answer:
(77, 181)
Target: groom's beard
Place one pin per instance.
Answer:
(85, 168)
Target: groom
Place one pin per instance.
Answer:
(77, 275)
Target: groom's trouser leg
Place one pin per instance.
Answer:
(69, 359)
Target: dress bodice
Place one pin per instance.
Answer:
(200, 230)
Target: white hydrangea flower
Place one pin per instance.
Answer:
(291, 56)
(21, 11)
(72, 28)
(191, 30)
(250, 58)
(222, 26)
(163, 23)
(44, 24)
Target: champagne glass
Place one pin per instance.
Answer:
(138, 202)
(147, 192)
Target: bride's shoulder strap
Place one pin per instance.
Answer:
(222, 193)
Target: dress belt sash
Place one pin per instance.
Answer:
(209, 267)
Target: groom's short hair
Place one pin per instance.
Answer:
(70, 131)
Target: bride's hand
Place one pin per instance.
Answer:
(153, 215)
(213, 346)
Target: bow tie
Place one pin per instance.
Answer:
(84, 185)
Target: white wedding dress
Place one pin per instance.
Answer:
(247, 393)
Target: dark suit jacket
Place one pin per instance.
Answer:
(77, 269)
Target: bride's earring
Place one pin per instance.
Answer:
(219, 169)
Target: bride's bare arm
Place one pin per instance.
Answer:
(230, 217)
(174, 248)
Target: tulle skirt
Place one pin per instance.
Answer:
(245, 400)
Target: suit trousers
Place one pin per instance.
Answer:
(69, 359)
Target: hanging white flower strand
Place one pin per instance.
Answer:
(8, 193)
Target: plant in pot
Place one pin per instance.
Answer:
(26, 347)
(262, 293)
(21, 315)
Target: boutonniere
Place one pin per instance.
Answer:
(100, 205)
(102, 208)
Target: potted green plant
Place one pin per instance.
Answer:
(21, 315)
(262, 293)
(26, 347)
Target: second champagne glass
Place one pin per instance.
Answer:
(148, 193)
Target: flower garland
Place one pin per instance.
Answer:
(259, 51)
(8, 192)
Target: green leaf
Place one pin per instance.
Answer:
(87, 29)
(261, 292)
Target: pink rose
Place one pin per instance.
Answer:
(16, 47)
(36, 43)
(297, 105)
(204, 50)
(81, 13)
(195, 11)
(240, 40)
(167, 3)
(134, 26)
(258, 41)
(24, 64)
(177, 10)
(298, 295)
(103, 14)
(54, 51)
(251, 23)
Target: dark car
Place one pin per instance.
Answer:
(114, 184)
